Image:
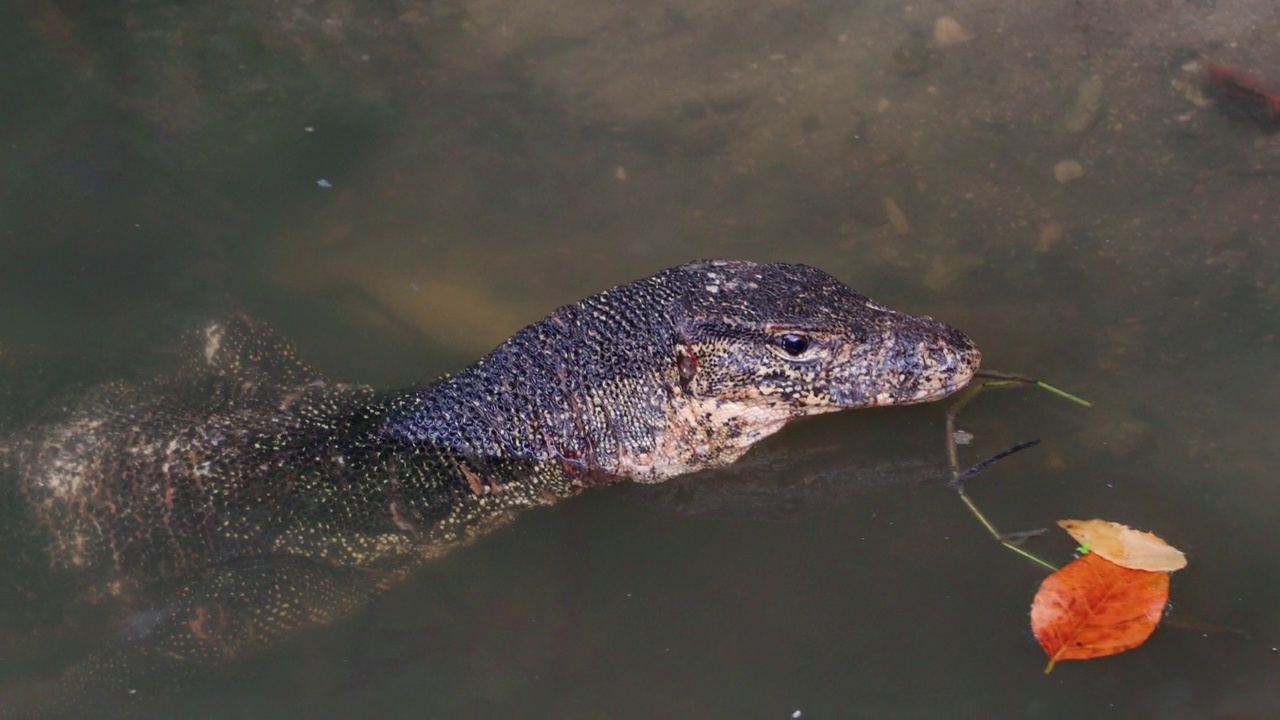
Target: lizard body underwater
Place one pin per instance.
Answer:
(245, 498)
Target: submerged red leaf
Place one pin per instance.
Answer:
(1093, 607)
(1248, 94)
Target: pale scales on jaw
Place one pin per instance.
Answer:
(212, 341)
(250, 455)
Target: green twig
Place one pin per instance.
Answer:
(1063, 393)
(994, 380)
(1004, 540)
(1004, 379)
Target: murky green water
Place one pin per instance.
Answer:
(398, 186)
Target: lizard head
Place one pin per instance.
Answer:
(687, 369)
(756, 346)
(793, 335)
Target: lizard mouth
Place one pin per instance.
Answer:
(963, 379)
(950, 375)
(969, 369)
(953, 377)
(947, 389)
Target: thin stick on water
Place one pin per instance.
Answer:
(1012, 541)
(1003, 379)
(979, 467)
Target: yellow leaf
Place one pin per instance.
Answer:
(1125, 546)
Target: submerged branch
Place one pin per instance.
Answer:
(958, 480)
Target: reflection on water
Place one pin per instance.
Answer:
(1057, 185)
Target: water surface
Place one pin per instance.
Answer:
(399, 186)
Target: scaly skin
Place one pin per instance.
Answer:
(246, 498)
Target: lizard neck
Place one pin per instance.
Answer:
(555, 394)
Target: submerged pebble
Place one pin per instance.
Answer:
(1068, 170)
(897, 218)
(1086, 108)
(948, 32)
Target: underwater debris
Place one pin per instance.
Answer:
(1242, 94)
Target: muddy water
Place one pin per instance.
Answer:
(398, 187)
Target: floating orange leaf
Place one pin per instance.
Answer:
(1093, 607)
(1125, 546)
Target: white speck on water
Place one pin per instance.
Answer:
(962, 437)
(324, 183)
(309, 128)
(796, 714)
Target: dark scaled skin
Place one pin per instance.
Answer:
(247, 498)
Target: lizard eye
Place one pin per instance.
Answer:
(794, 344)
